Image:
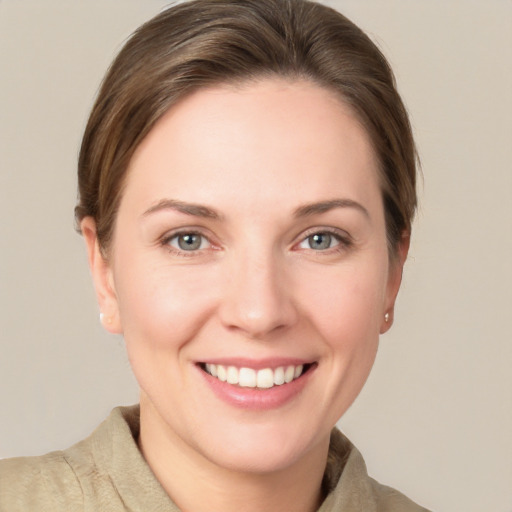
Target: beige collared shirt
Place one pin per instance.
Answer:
(106, 472)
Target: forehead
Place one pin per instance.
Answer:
(232, 143)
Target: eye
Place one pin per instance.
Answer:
(320, 241)
(188, 242)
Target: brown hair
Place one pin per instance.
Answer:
(204, 42)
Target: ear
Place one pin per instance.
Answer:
(102, 276)
(396, 267)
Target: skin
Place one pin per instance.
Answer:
(257, 287)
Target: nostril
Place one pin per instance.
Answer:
(257, 323)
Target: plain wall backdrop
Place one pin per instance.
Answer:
(435, 418)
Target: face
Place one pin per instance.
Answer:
(249, 271)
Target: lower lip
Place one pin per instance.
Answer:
(254, 398)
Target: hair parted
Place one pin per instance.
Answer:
(200, 43)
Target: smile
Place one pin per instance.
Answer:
(264, 378)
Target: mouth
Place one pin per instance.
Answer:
(263, 378)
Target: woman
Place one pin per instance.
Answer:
(246, 193)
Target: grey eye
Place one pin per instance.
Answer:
(188, 242)
(320, 241)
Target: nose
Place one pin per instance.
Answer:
(257, 297)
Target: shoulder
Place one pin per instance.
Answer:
(391, 500)
(351, 488)
(45, 483)
(102, 472)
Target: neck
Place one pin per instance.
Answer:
(195, 483)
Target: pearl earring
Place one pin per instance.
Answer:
(386, 317)
(105, 320)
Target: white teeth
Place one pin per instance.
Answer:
(232, 376)
(265, 378)
(221, 373)
(249, 378)
(279, 376)
(212, 369)
(289, 373)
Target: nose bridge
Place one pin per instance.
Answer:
(257, 299)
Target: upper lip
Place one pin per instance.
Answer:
(257, 364)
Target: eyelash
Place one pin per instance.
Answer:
(166, 242)
(344, 241)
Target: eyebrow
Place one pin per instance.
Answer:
(325, 206)
(197, 210)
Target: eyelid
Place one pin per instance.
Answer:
(176, 239)
(165, 239)
(344, 238)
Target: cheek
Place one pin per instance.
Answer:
(345, 309)
(161, 309)
(161, 305)
(346, 304)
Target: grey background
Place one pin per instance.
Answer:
(435, 418)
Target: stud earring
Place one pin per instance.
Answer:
(105, 320)
(386, 317)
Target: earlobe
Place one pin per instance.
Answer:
(101, 272)
(394, 281)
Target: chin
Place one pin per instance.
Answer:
(259, 450)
